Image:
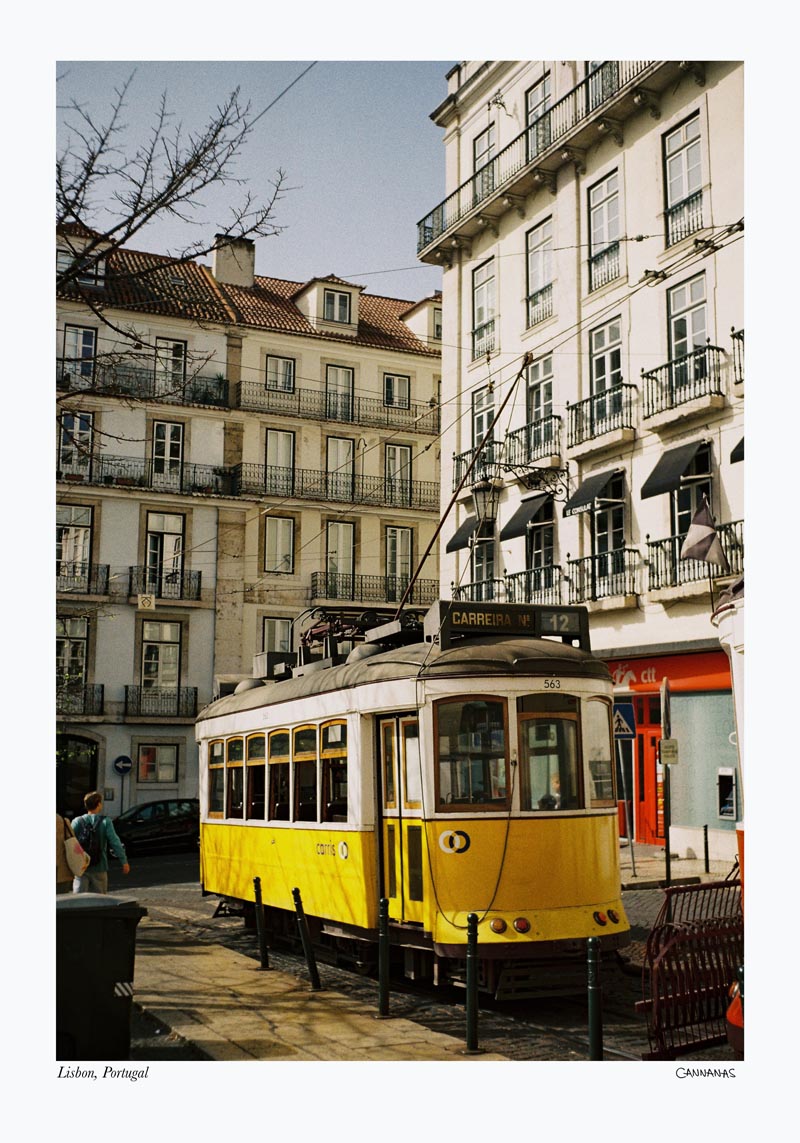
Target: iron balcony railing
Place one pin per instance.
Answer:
(124, 378)
(737, 337)
(696, 374)
(489, 456)
(371, 588)
(308, 484)
(483, 340)
(548, 130)
(314, 404)
(540, 305)
(136, 472)
(533, 442)
(601, 576)
(604, 266)
(161, 702)
(81, 699)
(603, 413)
(480, 591)
(164, 582)
(667, 569)
(535, 585)
(84, 578)
(684, 218)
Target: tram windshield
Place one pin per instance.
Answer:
(471, 738)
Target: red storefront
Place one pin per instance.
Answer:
(639, 680)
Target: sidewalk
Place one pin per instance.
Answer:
(227, 1006)
(651, 868)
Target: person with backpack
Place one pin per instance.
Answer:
(96, 832)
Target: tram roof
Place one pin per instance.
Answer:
(483, 657)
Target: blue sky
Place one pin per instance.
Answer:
(354, 138)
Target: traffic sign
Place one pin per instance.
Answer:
(624, 721)
(668, 748)
(123, 764)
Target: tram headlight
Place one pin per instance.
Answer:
(522, 925)
(600, 918)
(498, 925)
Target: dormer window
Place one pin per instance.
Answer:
(337, 306)
(91, 271)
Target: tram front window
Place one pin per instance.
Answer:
(471, 753)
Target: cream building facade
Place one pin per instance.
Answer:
(235, 456)
(591, 240)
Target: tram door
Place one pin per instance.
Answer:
(403, 841)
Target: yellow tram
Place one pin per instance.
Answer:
(463, 768)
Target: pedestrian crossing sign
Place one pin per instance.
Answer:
(623, 720)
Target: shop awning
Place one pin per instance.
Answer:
(666, 476)
(463, 535)
(738, 452)
(518, 524)
(592, 487)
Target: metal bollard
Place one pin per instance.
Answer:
(302, 925)
(383, 958)
(261, 927)
(595, 1000)
(705, 848)
(472, 983)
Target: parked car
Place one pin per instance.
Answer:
(169, 824)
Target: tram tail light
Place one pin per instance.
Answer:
(522, 925)
(613, 916)
(600, 918)
(498, 925)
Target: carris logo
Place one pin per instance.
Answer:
(454, 841)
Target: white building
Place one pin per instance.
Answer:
(234, 453)
(591, 239)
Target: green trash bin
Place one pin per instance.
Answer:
(95, 956)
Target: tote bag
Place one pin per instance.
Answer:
(77, 857)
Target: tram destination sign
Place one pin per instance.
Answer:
(447, 621)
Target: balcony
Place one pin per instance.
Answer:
(128, 379)
(595, 108)
(160, 702)
(604, 266)
(609, 412)
(307, 484)
(667, 569)
(535, 585)
(737, 337)
(480, 591)
(164, 583)
(136, 472)
(602, 576)
(537, 441)
(692, 383)
(82, 578)
(484, 466)
(80, 699)
(539, 305)
(316, 405)
(371, 588)
(483, 339)
(684, 218)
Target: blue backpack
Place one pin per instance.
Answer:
(88, 831)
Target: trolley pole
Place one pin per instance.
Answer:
(472, 983)
(261, 925)
(383, 959)
(302, 925)
(595, 996)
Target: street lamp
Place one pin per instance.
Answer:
(485, 495)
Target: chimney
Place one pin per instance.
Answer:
(234, 261)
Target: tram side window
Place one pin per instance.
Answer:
(305, 774)
(234, 772)
(549, 772)
(334, 772)
(279, 803)
(471, 753)
(597, 751)
(216, 779)
(256, 777)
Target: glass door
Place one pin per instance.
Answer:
(339, 563)
(403, 843)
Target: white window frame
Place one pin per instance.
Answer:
(80, 354)
(280, 374)
(397, 390)
(683, 161)
(75, 445)
(74, 524)
(337, 306)
(279, 545)
(170, 366)
(276, 634)
(168, 447)
(165, 763)
(484, 287)
(161, 641)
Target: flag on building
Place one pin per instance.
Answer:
(702, 541)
